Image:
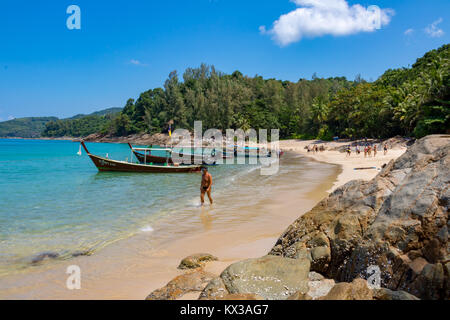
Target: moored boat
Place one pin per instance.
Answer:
(147, 157)
(105, 164)
(144, 155)
(251, 152)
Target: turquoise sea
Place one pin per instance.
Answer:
(55, 201)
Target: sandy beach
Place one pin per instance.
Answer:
(348, 164)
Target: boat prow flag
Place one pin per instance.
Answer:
(79, 151)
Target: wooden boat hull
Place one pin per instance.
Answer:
(104, 164)
(248, 155)
(142, 158)
(155, 159)
(151, 159)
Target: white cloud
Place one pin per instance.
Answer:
(11, 118)
(137, 63)
(316, 18)
(433, 30)
(409, 32)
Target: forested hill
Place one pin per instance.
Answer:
(104, 112)
(24, 127)
(406, 101)
(79, 125)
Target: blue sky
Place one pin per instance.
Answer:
(127, 47)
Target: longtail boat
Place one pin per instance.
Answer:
(250, 152)
(148, 157)
(104, 164)
(143, 155)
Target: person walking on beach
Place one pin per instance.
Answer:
(385, 149)
(366, 150)
(349, 151)
(205, 186)
(374, 151)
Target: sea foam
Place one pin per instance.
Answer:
(147, 229)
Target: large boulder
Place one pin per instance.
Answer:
(270, 277)
(396, 223)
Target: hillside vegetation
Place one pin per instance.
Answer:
(24, 127)
(406, 101)
(76, 126)
(81, 125)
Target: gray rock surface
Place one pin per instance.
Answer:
(397, 222)
(270, 277)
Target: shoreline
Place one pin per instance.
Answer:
(228, 244)
(144, 266)
(347, 164)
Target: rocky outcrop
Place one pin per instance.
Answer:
(138, 139)
(159, 139)
(395, 225)
(196, 260)
(270, 277)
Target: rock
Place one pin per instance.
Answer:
(386, 294)
(397, 222)
(82, 253)
(318, 289)
(300, 296)
(241, 296)
(271, 277)
(314, 276)
(194, 280)
(357, 290)
(430, 283)
(320, 257)
(196, 260)
(214, 290)
(44, 255)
